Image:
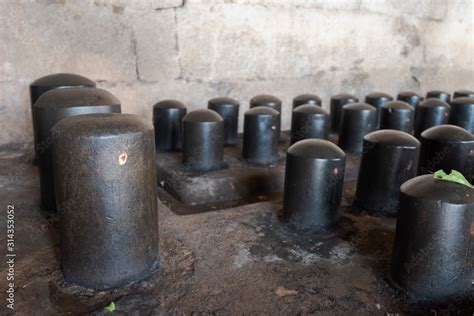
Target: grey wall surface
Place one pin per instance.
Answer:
(144, 51)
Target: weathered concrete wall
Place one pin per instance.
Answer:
(146, 50)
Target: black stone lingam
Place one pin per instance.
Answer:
(462, 113)
(437, 94)
(203, 141)
(397, 115)
(310, 99)
(167, 121)
(357, 120)
(429, 113)
(431, 259)
(410, 97)
(447, 147)
(337, 102)
(104, 166)
(229, 110)
(389, 159)
(52, 107)
(463, 94)
(46, 83)
(309, 121)
(377, 99)
(266, 100)
(314, 176)
(261, 136)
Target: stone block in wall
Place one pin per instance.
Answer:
(425, 9)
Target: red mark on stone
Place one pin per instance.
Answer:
(122, 159)
(335, 172)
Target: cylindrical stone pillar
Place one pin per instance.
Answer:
(303, 99)
(104, 166)
(46, 83)
(229, 110)
(447, 147)
(410, 97)
(309, 121)
(431, 260)
(462, 113)
(167, 121)
(51, 108)
(440, 95)
(357, 121)
(429, 113)
(261, 136)
(337, 102)
(389, 159)
(266, 100)
(314, 176)
(203, 141)
(397, 115)
(377, 99)
(463, 94)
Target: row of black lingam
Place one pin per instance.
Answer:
(104, 176)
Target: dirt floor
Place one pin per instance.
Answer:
(241, 260)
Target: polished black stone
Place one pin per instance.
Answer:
(337, 102)
(431, 258)
(266, 100)
(462, 113)
(410, 97)
(309, 121)
(357, 120)
(429, 113)
(303, 99)
(463, 94)
(104, 166)
(314, 177)
(377, 99)
(389, 158)
(397, 115)
(167, 121)
(229, 110)
(437, 94)
(50, 108)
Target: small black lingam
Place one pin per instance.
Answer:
(309, 121)
(303, 99)
(337, 102)
(437, 94)
(167, 120)
(447, 147)
(463, 94)
(389, 158)
(410, 97)
(229, 110)
(462, 113)
(357, 120)
(50, 108)
(431, 260)
(266, 100)
(203, 141)
(397, 115)
(104, 166)
(314, 176)
(261, 136)
(429, 113)
(377, 99)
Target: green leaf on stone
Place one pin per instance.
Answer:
(110, 308)
(454, 176)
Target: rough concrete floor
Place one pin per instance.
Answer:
(235, 261)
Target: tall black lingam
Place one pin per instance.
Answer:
(167, 120)
(397, 115)
(203, 141)
(447, 147)
(309, 121)
(357, 121)
(337, 102)
(377, 99)
(463, 94)
(104, 166)
(462, 113)
(46, 83)
(389, 158)
(51, 108)
(261, 136)
(437, 94)
(229, 110)
(431, 260)
(303, 99)
(410, 97)
(314, 176)
(429, 113)
(266, 100)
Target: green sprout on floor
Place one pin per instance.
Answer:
(110, 308)
(454, 176)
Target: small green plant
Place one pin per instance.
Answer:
(110, 308)
(454, 176)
